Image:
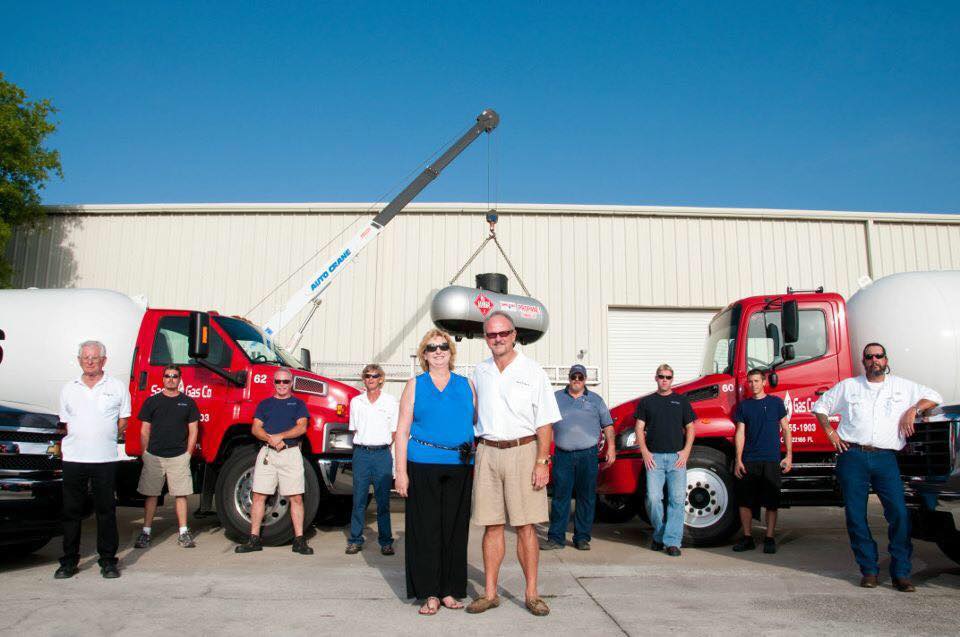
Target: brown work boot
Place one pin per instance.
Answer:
(904, 585)
(482, 604)
(538, 607)
(868, 581)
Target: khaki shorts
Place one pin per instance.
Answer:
(503, 490)
(175, 471)
(283, 468)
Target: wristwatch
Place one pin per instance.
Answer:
(546, 461)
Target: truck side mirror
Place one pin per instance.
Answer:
(787, 353)
(773, 379)
(305, 359)
(198, 336)
(790, 319)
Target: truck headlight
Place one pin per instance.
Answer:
(338, 438)
(627, 439)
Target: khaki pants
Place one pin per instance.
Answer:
(279, 468)
(175, 471)
(503, 490)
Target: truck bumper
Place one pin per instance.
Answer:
(623, 477)
(336, 474)
(29, 508)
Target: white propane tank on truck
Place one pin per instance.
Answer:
(916, 316)
(44, 328)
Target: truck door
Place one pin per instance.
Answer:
(813, 370)
(169, 346)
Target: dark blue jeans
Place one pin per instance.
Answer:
(857, 471)
(371, 467)
(574, 473)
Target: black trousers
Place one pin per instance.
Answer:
(102, 477)
(437, 529)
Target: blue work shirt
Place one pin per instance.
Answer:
(762, 428)
(581, 420)
(281, 415)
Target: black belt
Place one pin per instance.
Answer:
(867, 448)
(371, 447)
(593, 448)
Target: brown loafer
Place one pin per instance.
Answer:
(868, 581)
(538, 607)
(482, 604)
(904, 585)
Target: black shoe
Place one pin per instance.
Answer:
(769, 545)
(745, 544)
(66, 571)
(550, 545)
(252, 544)
(143, 541)
(387, 550)
(186, 540)
(353, 549)
(582, 545)
(300, 546)
(110, 571)
(656, 546)
(673, 551)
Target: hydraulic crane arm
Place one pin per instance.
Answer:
(318, 284)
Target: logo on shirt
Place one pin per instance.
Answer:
(182, 405)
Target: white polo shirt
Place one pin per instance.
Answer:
(91, 416)
(870, 412)
(515, 403)
(374, 423)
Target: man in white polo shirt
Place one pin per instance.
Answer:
(95, 408)
(373, 421)
(877, 411)
(516, 409)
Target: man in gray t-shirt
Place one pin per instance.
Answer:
(576, 462)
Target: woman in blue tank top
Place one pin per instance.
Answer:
(434, 445)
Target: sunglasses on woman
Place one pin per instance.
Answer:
(431, 348)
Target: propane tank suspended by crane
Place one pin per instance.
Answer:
(461, 310)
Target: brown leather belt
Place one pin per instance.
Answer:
(506, 444)
(869, 448)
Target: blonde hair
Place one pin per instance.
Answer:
(431, 334)
(373, 367)
(664, 368)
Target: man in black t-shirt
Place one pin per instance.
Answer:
(168, 432)
(665, 433)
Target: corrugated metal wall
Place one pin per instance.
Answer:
(577, 260)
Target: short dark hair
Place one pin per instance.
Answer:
(756, 371)
(175, 368)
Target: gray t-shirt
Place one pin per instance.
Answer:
(581, 421)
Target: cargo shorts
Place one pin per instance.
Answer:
(157, 469)
(279, 468)
(503, 490)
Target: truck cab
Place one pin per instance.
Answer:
(227, 366)
(804, 355)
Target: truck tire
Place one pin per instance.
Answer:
(25, 548)
(710, 506)
(615, 509)
(233, 498)
(949, 543)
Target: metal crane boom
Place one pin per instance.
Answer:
(318, 284)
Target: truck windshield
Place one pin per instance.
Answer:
(255, 344)
(721, 343)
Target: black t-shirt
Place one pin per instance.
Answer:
(168, 418)
(665, 419)
(761, 419)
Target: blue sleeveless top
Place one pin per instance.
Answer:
(443, 418)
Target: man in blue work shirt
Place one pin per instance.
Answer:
(576, 462)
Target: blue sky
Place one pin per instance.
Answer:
(819, 105)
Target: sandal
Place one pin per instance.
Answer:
(482, 604)
(428, 609)
(454, 604)
(538, 607)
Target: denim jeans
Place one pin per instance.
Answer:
(857, 471)
(371, 467)
(574, 473)
(669, 532)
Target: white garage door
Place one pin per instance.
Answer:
(639, 340)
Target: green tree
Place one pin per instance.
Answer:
(25, 165)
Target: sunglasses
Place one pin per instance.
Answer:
(504, 334)
(431, 348)
(371, 375)
(171, 375)
(285, 381)
(874, 357)
(664, 377)
(576, 377)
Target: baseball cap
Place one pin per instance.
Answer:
(577, 369)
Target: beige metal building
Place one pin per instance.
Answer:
(626, 286)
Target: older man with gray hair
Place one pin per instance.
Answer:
(95, 408)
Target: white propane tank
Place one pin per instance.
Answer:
(461, 311)
(44, 328)
(916, 316)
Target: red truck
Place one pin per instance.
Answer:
(810, 340)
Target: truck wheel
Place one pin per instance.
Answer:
(949, 543)
(711, 510)
(615, 509)
(234, 495)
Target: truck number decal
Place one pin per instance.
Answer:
(204, 417)
(726, 387)
(260, 379)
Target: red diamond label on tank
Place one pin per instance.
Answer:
(483, 304)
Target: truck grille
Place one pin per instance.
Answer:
(309, 386)
(30, 436)
(29, 463)
(929, 451)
